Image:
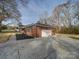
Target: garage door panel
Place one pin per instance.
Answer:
(46, 33)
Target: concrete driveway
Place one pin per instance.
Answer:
(42, 48)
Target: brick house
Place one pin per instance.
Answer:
(39, 30)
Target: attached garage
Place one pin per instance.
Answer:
(39, 30)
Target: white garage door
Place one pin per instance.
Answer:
(46, 33)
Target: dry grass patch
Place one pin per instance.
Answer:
(4, 37)
(73, 36)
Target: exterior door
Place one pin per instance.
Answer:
(46, 33)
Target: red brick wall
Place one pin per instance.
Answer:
(28, 31)
(35, 31)
(38, 32)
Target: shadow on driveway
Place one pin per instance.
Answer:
(23, 37)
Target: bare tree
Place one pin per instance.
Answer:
(9, 9)
(64, 14)
(43, 18)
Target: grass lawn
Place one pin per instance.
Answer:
(73, 36)
(8, 31)
(4, 37)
